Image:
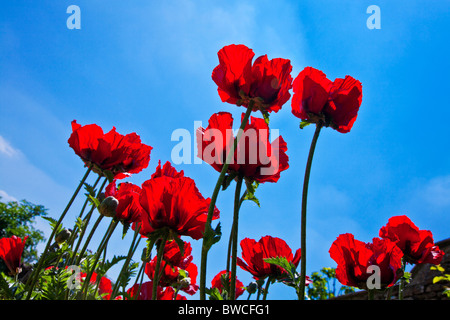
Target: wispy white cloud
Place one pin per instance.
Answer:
(5, 197)
(7, 149)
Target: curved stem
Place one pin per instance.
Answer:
(237, 196)
(230, 155)
(35, 275)
(159, 256)
(303, 214)
(230, 240)
(75, 228)
(83, 230)
(83, 250)
(131, 251)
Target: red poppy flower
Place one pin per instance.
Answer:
(254, 253)
(122, 155)
(104, 287)
(316, 98)
(146, 290)
(172, 265)
(266, 82)
(11, 250)
(417, 245)
(128, 209)
(220, 278)
(255, 157)
(173, 256)
(353, 258)
(173, 201)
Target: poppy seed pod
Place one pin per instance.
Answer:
(108, 207)
(62, 236)
(185, 282)
(252, 287)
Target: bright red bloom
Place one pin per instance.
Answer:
(353, 258)
(221, 276)
(255, 157)
(169, 199)
(254, 254)
(266, 82)
(122, 155)
(316, 98)
(146, 290)
(417, 245)
(11, 250)
(172, 264)
(128, 210)
(104, 287)
(173, 256)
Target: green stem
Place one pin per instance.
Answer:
(401, 286)
(83, 250)
(230, 155)
(86, 222)
(303, 214)
(139, 279)
(371, 294)
(230, 240)
(159, 256)
(35, 275)
(237, 196)
(101, 248)
(131, 251)
(266, 289)
(75, 228)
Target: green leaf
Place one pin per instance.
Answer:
(211, 236)
(265, 116)
(4, 288)
(53, 224)
(180, 244)
(109, 175)
(250, 194)
(283, 263)
(253, 198)
(126, 227)
(440, 278)
(438, 268)
(214, 294)
(304, 123)
(90, 189)
(94, 200)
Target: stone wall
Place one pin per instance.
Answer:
(421, 286)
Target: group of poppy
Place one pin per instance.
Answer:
(172, 201)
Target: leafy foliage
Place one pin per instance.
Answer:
(323, 285)
(17, 218)
(444, 277)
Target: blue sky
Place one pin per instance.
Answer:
(145, 67)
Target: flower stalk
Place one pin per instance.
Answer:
(216, 191)
(303, 211)
(235, 237)
(35, 275)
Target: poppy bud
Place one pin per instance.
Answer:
(62, 236)
(185, 282)
(252, 287)
(108, 206)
